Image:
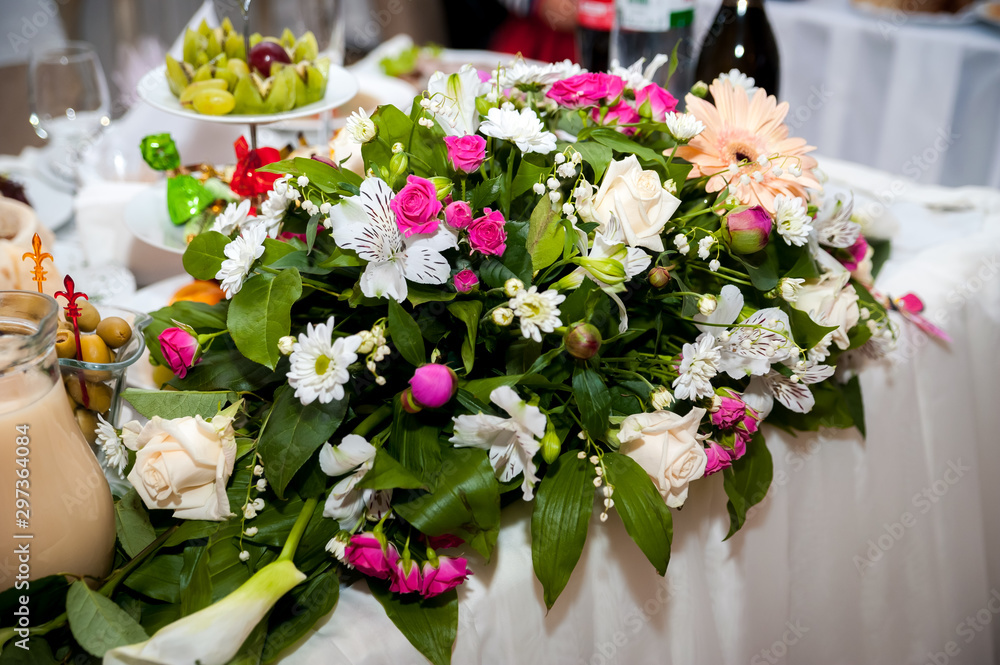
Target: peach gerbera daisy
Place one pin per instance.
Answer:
(745, 145)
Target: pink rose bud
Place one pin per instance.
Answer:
(458, 215)
(365, 553)
(448, 574)
(731, 412)
(747, 231)
(487, 234)
(620, 114)
(433, 385)
(180, 349)
(466, 152)
(416, 207)
(739, 446)
(659, 277)
(654, 102)
(590, 89)
(583, 341)
(718, 458)
(465, 281)
(404, 575)
(857, 253)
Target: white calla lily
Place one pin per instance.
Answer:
(457, 115)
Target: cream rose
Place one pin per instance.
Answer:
(183, 464)
(831, 301)
(667, 447)
(638, 200)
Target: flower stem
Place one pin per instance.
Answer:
(375, 418)
(299, 528)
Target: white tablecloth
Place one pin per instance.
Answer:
(864, 552)
(915, 99)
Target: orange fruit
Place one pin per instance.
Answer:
(199, 291)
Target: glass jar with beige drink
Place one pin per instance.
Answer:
(58, 514)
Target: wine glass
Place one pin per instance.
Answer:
(69, 102)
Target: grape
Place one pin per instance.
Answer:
(193, 89)
(214, 102)
(264, 53)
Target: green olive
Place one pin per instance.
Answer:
(87, 421)
(98, 394)
(114, 331)
(65, 344)
(89, 316)
(94, 350)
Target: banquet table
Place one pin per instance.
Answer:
(917, 96)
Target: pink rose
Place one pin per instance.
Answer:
(404, 575)
(433, 385)
(416, 207)
(744, 432)
(466, 152)
(180, 349)
(448, 574)
(487, 234)
(718, 458)
(458, 215)
(731, 413)
(587, 90)
(620, 114)
(660, 101)
(465, 281)
(857, 251)
(365, 553)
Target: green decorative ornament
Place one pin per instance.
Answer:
(186, 197)
(160, 152)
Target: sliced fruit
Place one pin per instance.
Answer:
(305, 48)
(287, 39)
(238, 68)
(187, 97)
(199, 291)
(213, 102)
(179, 75)
(234, 46)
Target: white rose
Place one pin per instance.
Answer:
(638, 200)
(667, 447)
(183, 465)
(831, 301)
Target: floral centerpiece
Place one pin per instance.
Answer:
(547, 286)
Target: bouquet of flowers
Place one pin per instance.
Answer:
(547, 285)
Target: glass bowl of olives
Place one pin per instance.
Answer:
(111, 340)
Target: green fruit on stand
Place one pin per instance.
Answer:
(187, 97)
(213, 102)
(179, 75)
(305, 48)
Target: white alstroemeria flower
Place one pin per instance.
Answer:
(635, 75)
(232, 218)
(512, 442)
(792, 392)
(740, 80)
(240, 255)
(523, 128)
(318, 364)
(683, 126)
(791, 221)
(455, 100)
(346, 503)
(538, 312)
(115, 452)
(360, 127)
(833, 224)
(213, 635)
(367, 225)
(699, 364)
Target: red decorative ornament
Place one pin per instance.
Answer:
(73, 313)
(246, 180)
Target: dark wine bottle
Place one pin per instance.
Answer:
(741, 38)
(594, 20)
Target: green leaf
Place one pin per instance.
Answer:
(527, 175)
(275, 250)
(37, 652)
(468, 312)
(516, 262)
(595, 154)
(593, 399)
(204, 255)
(405, 334)
(296, 613)
(559, 522)
(386, 474)
(418, 294)
(414, 443)
(621, 143)
(97, 623)
(132, 524)
(169, 404)
(762, 267)
(323, 176)
(227, 370)
(293, 433)
(545, 235)
(465, 503)
(646, 517)
(261, 314)
(807, 332)
(159, 577)
(195, 580)
(855, 405)
(747, 481)
(485, 193)
(429, 624)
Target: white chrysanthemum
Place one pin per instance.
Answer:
(788, 288)
(539, 312)
(793, 224)
(523, 128)
(684, 126)
(232, 218)
(360, 127)
(240, 255)
(319, 363)
(700, 364)
(738, 78)
(115, 452)
(522, 75)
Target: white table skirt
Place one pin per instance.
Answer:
(919, 100)
(864, 552)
